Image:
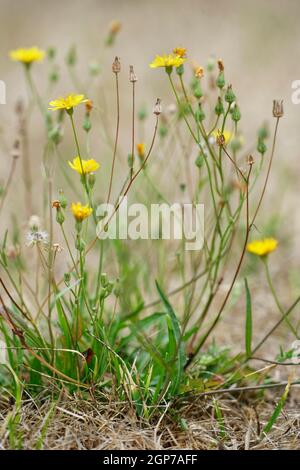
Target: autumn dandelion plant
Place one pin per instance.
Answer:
(136, 321)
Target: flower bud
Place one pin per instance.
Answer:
(180, 70)
(91, 180)
(87, 125)
(199, 114)
(236, 113)
(229, 95)
(198, 92)
(261, 147)
(219, 109)
(62, 199)
(71, 57)
(199, 160)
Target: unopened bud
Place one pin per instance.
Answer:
(229, 95)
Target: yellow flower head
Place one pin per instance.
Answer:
(27, 56)
(262, 247)
(88, 166)
(167, 61)
(225, 136)
(180, 51)
(80, 212)
(140, 150)
(68, 102)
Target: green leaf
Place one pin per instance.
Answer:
(277, 410)
(174, 335)
(248, 332)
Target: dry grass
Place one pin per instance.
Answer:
(81, 424)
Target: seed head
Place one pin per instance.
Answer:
(132, 75)
(278, 108)
(116, 66)
(157, 108)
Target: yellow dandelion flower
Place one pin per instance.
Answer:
(27, 56)
(140, 150)
(227, 135)
(85, 166)
(80, 212)
(167, 61)
(67, 103)
(262, 247)
(180, 51)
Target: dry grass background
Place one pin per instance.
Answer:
(259, 43)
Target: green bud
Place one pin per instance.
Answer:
(71, 57)
(60, 218)
(236, 113)
(199, 160)
(261, 146)
(180, 70)
(51, 52)
(117, 288)
(109, 287)
(142, 113)
(194, 83)
(229, 95)
(182, 187)
(87, 125)
(199, 114)
(211, 64)
(62, 199)
(219, 108)
(220, 80)
(67, 278)
(94, 68)
(55, 134)
(130, 160)
(198, 92)
(236, 144)
(169, 69)
(163, 130)
(54, 75)
(263, 133)
(103, 279)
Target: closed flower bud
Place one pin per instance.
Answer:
(94, 68)
(263, 132)
(71, 58)
(261, 147)
(60, 218)
(229, 95)
(103, 279)
(51, 51)
(180, 70)
(219, 109)
(130, 160)
(198, 92)
(67, 278)
(142, 113)
(199, 160)
(199, 114)
(62, 199)
(278, 108)
(220, 80)
(116, 66)
(87, 125)
(236, 113)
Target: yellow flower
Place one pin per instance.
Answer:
(69, 102)
(167, 61)
(140, 150)
(80, 212)
(225, 135)
(180, 51)
(27, 56)
(88, 166)
(262, 247)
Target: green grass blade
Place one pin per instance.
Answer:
(248, 332)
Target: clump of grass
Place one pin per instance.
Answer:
(90, 315)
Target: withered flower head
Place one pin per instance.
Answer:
(157, 108)
(221, 65)
(116, 66)
(278, 108)
(132, 75)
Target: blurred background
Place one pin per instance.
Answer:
(258, 42)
